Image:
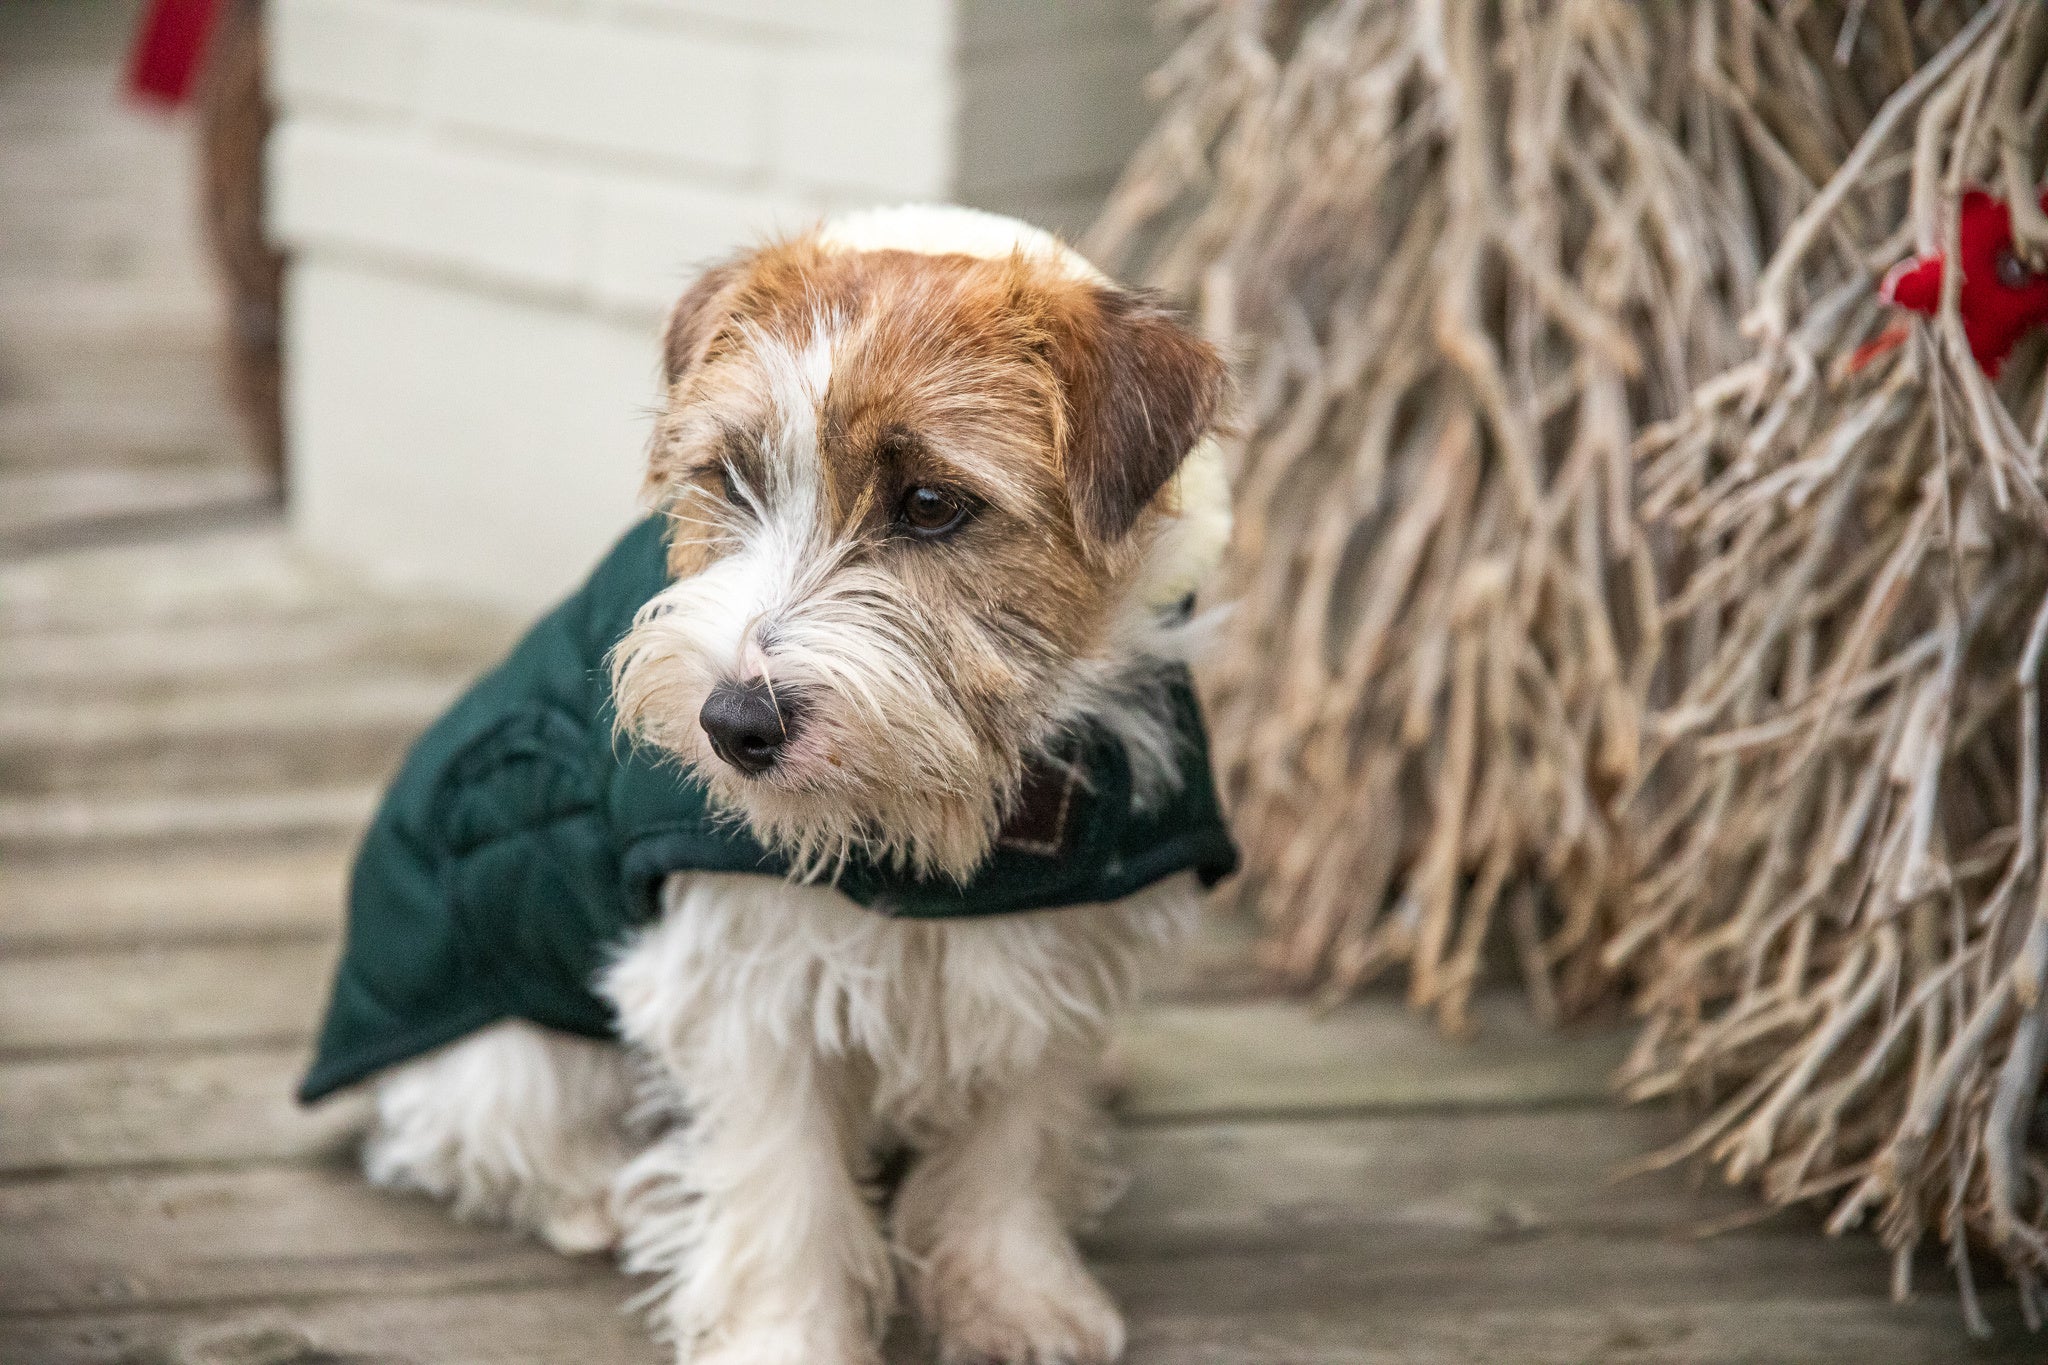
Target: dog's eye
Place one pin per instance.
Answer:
(730, 485)
(2012, 271)
(929, 512)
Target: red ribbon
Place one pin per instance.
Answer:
(169, 44)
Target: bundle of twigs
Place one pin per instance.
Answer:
(1844, 935)
(1463, 249)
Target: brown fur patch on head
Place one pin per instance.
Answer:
(1106, 382)
(813, 389)
(697, 319)
(1140, 389)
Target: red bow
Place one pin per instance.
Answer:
(2000, 300)
(168, 45)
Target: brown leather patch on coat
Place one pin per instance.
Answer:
(1045, 803)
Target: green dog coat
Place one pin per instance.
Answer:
(522, 842)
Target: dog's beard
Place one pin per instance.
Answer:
(885, 764)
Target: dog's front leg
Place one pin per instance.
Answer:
(984, 1222)
(754, 1212)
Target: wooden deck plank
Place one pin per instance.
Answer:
(183, 1238)
(89, 337)
(534, 1326)
(237, 742)
(1279, 1056)
(69, 432)
(1452, 1238)
(367, 640)
(1411, 1301)
(145, 999)
(212, 716)
(1217, 962)
(234, 1104)
(174, 895)
(1178, 1059)
(243, 574)
(1304, 1183)
(1402, 1299)
(231, 1103)
(297, 890)
(74, 825)
(161, 994)
(168, 1240)
(49, 790)
(47, 503)
(41, 506)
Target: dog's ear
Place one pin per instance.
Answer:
(698, 318)
(1140, 389)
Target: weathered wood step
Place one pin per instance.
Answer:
(76, 826)
(239, 769)
(1420, 1299)
(62, 994)
(179, 1238)
(1370, 1057)
(1407, 1297)
(222, 1235)
(45, 505)
(1307, 1182)
(178, 895)
(324, 733)
(86, 338)
(125, 661)
(173, 895)
(50, 308)
(68, 221)
(47, 118)
(246, 573)
(1254, 1054)
(235, 1104)
(144, 999)
(541, 1325)
(226, 713)
(54, 45)
(59, 68)
(1257, 1056)
(175, 1239)
(66, 432)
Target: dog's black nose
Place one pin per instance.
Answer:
(748, 724)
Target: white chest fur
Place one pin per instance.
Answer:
(938, 1008)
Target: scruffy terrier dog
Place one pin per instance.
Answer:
(939, 493)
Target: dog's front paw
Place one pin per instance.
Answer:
(579, 1227)
(780, 1343)
(1020, 1305)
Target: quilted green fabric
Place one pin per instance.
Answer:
(521, 841)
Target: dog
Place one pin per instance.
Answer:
(938, 493)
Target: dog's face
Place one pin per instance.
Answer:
(911, 496)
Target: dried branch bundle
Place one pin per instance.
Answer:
(1463, 250)
(1843, 935)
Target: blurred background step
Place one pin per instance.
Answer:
(113, 409)
(80, 339)
(250, 574)
(44, 509)
(154, 998)
(224, 1105)
(69, 432)
(221, 822)
(227, 739)
(103, 897)
(141, 660)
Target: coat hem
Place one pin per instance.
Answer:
(329, 1074)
